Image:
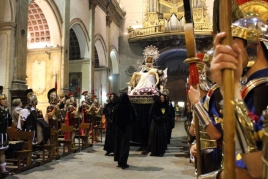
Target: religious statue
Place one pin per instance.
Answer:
(148, 80)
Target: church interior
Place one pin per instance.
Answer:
(99, 45)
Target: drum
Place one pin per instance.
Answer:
(43, 131)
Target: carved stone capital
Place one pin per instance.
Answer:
(92, 4)
(108, 20)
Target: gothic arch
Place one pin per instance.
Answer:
(101, 50)
(114, 60)
(82, 34)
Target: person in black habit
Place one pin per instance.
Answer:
(108, 112)
(170, 123)
(159, 114)
(124, 117)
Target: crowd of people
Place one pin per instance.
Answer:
(120, 125)
(64, 110)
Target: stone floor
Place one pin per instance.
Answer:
(92, 163)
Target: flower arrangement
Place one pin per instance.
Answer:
(146, 91)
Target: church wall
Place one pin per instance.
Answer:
(101, 85)
(81, 66)
(114, 37)
(134, 13)
(130, 54)
(60, 5)
(41, 69)
(100, 23)
(80, 9)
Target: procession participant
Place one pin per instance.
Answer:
(240, 36)
(62, 102)
(53, 110)
(108, 111)
(157, 138)
(226, 57)
(124, 117)
(85, 109)
(5, 122)
(97, 116)
(17, 105)
(28, 116)
(71, 116)
(170, 123)
(210, 137)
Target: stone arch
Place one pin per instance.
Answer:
(114, 60)
(82, 34)
(7, 13)
(101, 50)
(173, 59)
(54, 21)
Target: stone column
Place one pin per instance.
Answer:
(64, 70)
(19, 59)
(108, 31)
(92, 6)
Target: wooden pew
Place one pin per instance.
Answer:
(25, 152)
(85, 141)
(49, 147)
(68, 142)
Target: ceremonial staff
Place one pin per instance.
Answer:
(57, 121)
(78, 120)
(193, 72)
(225, 7)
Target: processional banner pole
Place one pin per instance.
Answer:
(193, 72)
(228, 96)
(57, 122)
(78, 120)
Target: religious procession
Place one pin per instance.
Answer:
(223, 92)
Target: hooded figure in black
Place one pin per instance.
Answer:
(124, 116)
(158, 138)
(170, 123)
(108, 111)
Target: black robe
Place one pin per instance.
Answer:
(110, 133)
(158, 137)
(170, 122)
(124, 116)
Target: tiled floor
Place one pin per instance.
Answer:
(92, 163)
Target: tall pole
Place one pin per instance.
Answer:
(193, 72)
(228, 97)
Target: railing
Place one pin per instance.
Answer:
(161, 29)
